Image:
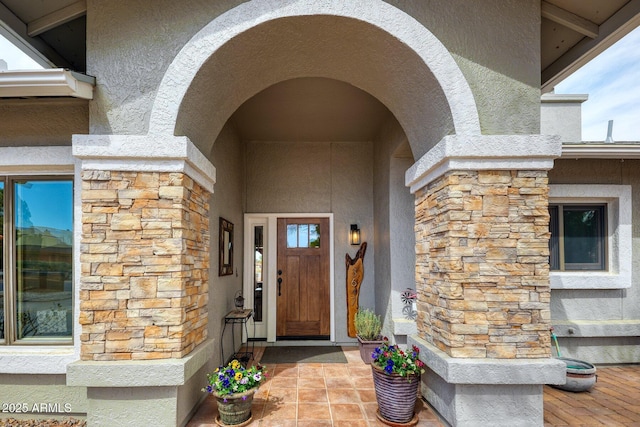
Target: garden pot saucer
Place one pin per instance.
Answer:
(413, 421)
(242, 424)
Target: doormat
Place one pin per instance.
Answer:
(301, 354)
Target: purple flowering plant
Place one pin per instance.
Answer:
(393, 360)
(234, 378)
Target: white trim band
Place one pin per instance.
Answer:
(596, 328)
(562, 98)
(37, 359)
(33, 160)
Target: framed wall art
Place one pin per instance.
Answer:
(226, 248)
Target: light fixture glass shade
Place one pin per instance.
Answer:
(354, 235)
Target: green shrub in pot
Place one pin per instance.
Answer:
(368, 328)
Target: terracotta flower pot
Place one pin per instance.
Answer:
(396, 396)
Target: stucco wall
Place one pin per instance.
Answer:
(39, 392)
(403, 253)
(131, 43)
(604, 323)
(394, 223)
(496, 45)
(562, 115)
(31, 122)
(226, 202)
(317, 177)
(382, 165)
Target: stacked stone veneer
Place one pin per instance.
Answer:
(482, 246)
(145, 263)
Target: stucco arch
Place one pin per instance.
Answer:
(373, 46)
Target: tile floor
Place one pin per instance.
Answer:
(335, 394)
(315, 394)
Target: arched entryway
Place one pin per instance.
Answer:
(377, 57)
(377, 48)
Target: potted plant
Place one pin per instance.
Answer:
(368, 327)
(396, 378)
(233, 386)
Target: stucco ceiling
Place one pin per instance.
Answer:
(312, 109)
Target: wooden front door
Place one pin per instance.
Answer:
(303, 308)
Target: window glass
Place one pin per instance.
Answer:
(258, 275)
(582, 235)
(43, 224)
(554, 241)
(578, 237)
(303, 236)
(314, 235)
(292, 235)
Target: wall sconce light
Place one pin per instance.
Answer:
(354, 235)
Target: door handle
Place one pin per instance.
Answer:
(279, 286)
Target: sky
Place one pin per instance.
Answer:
(37, 208)
(612, 81)
(15, 59)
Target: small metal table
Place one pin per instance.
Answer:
(237, 317)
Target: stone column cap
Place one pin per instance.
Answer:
(484, 152)
(489, 371)
(149, 153)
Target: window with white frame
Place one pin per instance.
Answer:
(590, 245)
(36, 235)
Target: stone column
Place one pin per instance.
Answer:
(483, 247)
(145, 265)
(144, 275)
(482, 272)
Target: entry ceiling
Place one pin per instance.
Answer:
(310, 109)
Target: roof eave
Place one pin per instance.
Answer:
(46, 83)
(601, 151)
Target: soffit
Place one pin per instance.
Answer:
(573, 32)
(52, 32)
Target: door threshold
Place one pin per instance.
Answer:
(303, 338)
